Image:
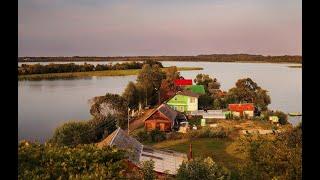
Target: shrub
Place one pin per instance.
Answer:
(175, 135)
(278, 158)
(195, 120)
(142, 136)
(202, 169)
(207, 132)
(152, 136)
(103, 126)
(147, 168)
(73, 133)
(283, 117)
(157, 136)
(48, 161)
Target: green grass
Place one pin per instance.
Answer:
(204, 147)
(75, 75)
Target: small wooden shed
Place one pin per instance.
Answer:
(162, 118)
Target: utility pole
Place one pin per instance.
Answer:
(190, 151)
(128, 120)
(158, 95)
(146, 96)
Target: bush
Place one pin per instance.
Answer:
(147, 169)
(202, 169)
(73, 133)
(48, 161)
(195, 120)
(150, 137)
(278, 158)
(283, 117)
(207, 132)
(103, 126)
(175, 135)
(142, 136)
(157, 136)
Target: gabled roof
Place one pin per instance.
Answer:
(188, 93)
(183, 82)
(199, 89)
(122, 140)
(164, 160)
(166, 111)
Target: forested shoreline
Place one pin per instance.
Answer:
(204, 58)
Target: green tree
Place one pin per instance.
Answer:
(147, 168)
(72, 134)
(131, 94)
(210, 84)
(246, 90)
(48, 161)
(111, 104)
(202, 169)
(102, 126)
(205, 101)
(168, 87)
(149, 80)
(278, 158)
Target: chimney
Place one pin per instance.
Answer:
(190, 152)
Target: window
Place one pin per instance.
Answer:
(192, 100)
(180, 108)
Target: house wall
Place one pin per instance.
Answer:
(156, 124)
(192, 106)
(155, 121)
(183, 103)
(179, 103)
(248, 113)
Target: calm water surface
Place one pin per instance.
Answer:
(44, 105)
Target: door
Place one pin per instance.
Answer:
(162, 127)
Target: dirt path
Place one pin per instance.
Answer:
(139, 122)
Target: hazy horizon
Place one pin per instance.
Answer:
(159, 28)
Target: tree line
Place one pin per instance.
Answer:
(26, 69)
(209, 58)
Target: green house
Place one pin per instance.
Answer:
(184, 101)
(199, 89)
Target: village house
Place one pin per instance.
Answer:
(241, 110)
(162, 118)
(199, 89)
(185, 101)
(165, 161)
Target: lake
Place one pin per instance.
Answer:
(44, 105)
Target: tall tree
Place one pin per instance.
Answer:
(210, 84)
(131, 94)
(246, 90)
(168, 87)
(150, 78)
(110, 104)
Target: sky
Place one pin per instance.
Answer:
(159, 27)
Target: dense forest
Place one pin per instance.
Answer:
(26, 69)
(209, 58)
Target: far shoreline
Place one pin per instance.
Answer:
(89, 74)
(246, 58)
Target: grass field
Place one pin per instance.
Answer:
(204, 147)
(74, 75)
